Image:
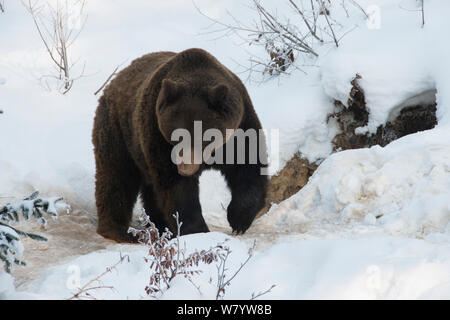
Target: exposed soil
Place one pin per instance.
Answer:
(288, 181)
(411, 119)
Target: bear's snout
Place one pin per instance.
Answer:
(188, 169)
(189, 165)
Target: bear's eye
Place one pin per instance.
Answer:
(172, 104)
(170, 92)
(221, 107)
(162, 105)
(218, 98)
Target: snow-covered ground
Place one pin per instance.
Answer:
(370, 224)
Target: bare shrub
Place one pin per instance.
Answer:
(222, 280)
(168, 259)
(58, 27)
(286, 40)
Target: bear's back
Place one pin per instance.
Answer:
(123, 88)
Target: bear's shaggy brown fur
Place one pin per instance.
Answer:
(137, 113)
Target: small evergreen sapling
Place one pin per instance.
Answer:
(11, 247)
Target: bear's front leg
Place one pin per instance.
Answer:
(182, 196)
(248, 191)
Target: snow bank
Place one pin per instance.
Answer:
(397, 61)
(404, 188)
(363, 268)
(129, 279)
(297, 107)
(46, 146)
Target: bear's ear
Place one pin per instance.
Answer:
(170, 91)
(217, 95)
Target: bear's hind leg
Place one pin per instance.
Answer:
(116, 191)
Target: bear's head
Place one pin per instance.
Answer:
(195, 108)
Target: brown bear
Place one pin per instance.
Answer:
(137, 114)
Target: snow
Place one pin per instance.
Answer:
(367, 186)
(370, 224)
(7, 288)
(395, 63)
(380, 267)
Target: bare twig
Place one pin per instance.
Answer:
(423, 12)
(222, 282)
(356, 4)
(259, 294)
(113, 74)
(311, 29)
(275, 26)
(325, 14)
(53, 26)
(83, 292)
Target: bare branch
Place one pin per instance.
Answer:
(423, 12)
(325, 14)
(113, 74)
(83, 292)
(288, 45)
(356, 4)
(222, 282)
(54, 27)
(34, 14)
(300, 12)
(254, 296)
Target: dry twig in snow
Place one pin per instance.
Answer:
(84, 291)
